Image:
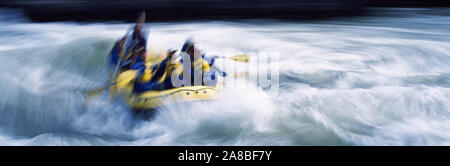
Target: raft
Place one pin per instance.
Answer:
(153, 99)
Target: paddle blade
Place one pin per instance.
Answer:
(95, 92)
(240, 58)
(242, 74)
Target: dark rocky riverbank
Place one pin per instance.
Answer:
(175, 10)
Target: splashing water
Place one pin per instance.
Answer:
(376, 80)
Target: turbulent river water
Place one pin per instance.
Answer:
(382, 79)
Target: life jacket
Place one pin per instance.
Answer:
(198, 64)
(130, 58)
(114, 55)
(157, 77)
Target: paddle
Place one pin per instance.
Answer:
(224, 74)
(129, 42)
(122, 58)
(139, 24)
(97, 91)
(238, 58)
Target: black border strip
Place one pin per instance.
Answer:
(171, 154)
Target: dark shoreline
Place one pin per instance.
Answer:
(186, 10)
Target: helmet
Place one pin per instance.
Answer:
(188, 44)
(171, 51)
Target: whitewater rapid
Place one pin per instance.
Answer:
(382, 79)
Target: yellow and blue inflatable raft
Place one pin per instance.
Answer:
(153, 99)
